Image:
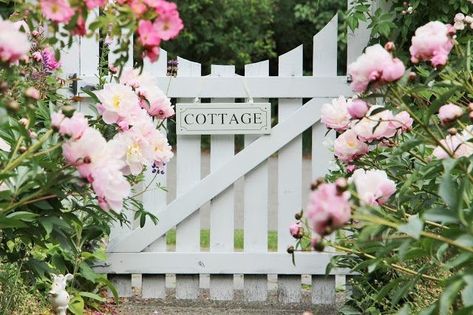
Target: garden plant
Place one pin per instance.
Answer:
(66, 178)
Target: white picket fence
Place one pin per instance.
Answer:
(143, 251)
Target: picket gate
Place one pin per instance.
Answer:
(143, 251)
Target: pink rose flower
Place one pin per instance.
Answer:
(335, 115)
(92, 4)
(373, 186)
(328, 209)
(377, 66)
(348, 147)
(138, 7)
(168, 24)
(74, 127)
(57, 10)
(14, 44)
(449, 113)
(357, 108)
(157, 104)
(118, 103)
(148, 34)
(432, 42)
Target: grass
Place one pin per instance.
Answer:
(238, 239)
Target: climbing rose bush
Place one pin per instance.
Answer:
(66, 176)
(400, 194)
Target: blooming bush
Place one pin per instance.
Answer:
(66, 177)
(401, 196)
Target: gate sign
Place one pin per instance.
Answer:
(223, 118)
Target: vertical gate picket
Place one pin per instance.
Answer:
(289, 177)
(188, 174)
(324, 64)
(222, 149)
(154, 200)
(123, 282)
(255, 215)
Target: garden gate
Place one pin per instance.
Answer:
(144, 251)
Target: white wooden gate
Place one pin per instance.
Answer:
(143, 251)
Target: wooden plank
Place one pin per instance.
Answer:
(323, 290)
(216, 182)
(122, 284)
(153, 286)
(325, 64)
(270, 87)
(154, 200)
(222, 149)
(188, 175)
(289, 289)
(217, 263)
(256, 206)
(289, 176)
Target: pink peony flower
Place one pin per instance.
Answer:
(168, 24)
(139, 82)
(49, 60)
(377, 66)
(335, 115)
(92, 4)
(57, 10)
(33, 93)
(118, 103)
(74, 127)
(148, 34)
(373, 186)
(14, 44)
(348, 147)
(402, 121)
(357, 108)
(376, 127)
(56, 120)
(432, 42)
(457, 145)
(328, 209)
(449, 113)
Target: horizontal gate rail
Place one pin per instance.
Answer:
(218, 263)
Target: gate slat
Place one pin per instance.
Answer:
(289, 176)
(188, 174)
(222, 149)
(154, 200)
(256, 206)
(325, 49)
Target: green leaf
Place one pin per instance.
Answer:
(92, 296)
(413, 228)
(448, 296)
(76, 305)
(467, 295)
(448, 188)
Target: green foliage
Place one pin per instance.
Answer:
(244, 31)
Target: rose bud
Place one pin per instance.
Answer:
(412, 76)
(316, 243)
(389, 46)
(452, 131)
(33, 93)
(342, 185)
(24, 121)
(298, 215)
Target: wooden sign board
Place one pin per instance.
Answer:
(223, 118)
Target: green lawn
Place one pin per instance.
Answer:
(238, 239)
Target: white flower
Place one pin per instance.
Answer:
(4, 146)
(118, 101)
(373, 186)
(335, 115)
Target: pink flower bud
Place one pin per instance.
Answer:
(449, 113)
(33, 93)
(357, 108)
(296, 230)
